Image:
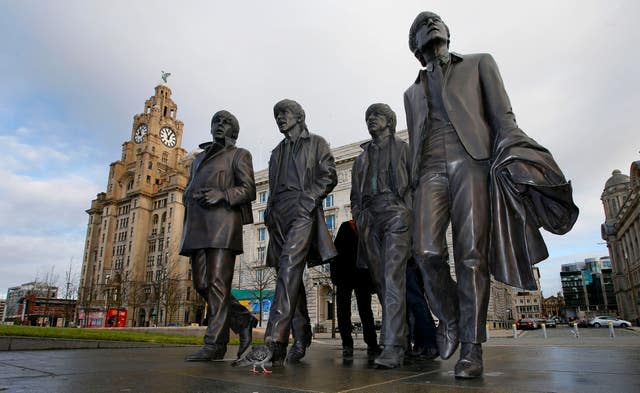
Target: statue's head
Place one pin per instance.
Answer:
(427, 29)
(378, 117)
(288, 114)
(224, 125)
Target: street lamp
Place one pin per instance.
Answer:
(317, 287)
(106, 298)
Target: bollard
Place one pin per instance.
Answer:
(575, 325)
(544, 330)
(612, 333)
(515, 331)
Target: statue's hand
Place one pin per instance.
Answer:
(211, 197)
(199, 193)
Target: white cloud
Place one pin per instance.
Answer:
(39, 206)
(42, 223)
(22, 258)
(18, 156)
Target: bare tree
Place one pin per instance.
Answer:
(262, 278)
(168, 288)
(70, 292)
(48, 283)
(170, 293)
(134, 297)
(85, 301)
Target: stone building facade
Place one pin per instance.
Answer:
(131, 256)
(553, 306)
(621, 231)
(527, 304)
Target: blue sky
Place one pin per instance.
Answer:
(74, 73)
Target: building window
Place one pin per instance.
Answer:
(328, 201)
(261, 254)
(261, 215)
(331, 222)
(262, 197)
(262, 234)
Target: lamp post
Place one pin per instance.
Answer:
(317, 286)
(106, 298)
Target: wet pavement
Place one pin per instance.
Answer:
(561, 363)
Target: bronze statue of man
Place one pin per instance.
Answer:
(217, 203)
(465, 144)
(301, 174)
(380, 201)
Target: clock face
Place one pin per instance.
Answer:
(168, 137)
(141, 131)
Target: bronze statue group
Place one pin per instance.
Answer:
(467, 164)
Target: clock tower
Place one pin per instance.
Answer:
(131, 261)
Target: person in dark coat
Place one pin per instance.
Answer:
(302, 173)
(422, 328)
(457, 112)
(347, 278)
(217, 203)
(380, 203)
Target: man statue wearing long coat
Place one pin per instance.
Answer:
(302, 173)
(380, 202)
(217, 203)
(474, 168)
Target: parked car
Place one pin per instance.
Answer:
(527, 324)
(583, 323)
(550, 323)
(604, 320)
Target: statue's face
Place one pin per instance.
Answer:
(221, 128)
(433, 29)
(286, 120)
(376, 123)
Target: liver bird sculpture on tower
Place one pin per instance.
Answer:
(165, 75)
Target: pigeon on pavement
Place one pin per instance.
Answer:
(258, 356)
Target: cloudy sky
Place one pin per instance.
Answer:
(74, 73)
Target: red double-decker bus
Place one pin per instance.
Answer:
(116, 317)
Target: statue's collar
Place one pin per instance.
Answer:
(227, 142)
(454, 58)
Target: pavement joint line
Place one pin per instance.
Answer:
(388, 382)
(48, 374)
